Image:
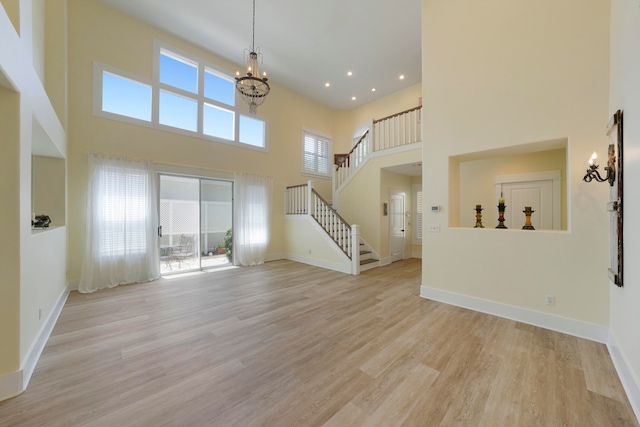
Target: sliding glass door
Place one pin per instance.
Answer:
(195, 216)
(216, 220)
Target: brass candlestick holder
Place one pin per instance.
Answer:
(527, 223)
(478, 217)
(501, 207)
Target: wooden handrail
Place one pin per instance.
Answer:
(296, 186)
(398, 114)
(330, 207)
(358, 143)
(364, 135)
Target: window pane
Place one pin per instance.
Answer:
(179, 73)
(316, 154)
(178, 111)
(251, 131)
(217, 122)
(218, 88)
(126, 97)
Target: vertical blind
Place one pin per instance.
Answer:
(121, 219)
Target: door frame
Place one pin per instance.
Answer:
(394, 192)
(188, 173)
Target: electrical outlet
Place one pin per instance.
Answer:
(550, 300)
(434, 228)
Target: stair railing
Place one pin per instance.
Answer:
(297, 200)
(305, 200)
(389, 132)
(398, 129)
(331, 222)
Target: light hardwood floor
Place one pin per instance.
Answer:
(285, 344)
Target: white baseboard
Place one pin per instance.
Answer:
(544, 320)
(385, 261)
(15, 383)
(630, 384)
(342, 268)
(10, 385)
(274, 257)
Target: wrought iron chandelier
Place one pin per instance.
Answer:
(252, 87)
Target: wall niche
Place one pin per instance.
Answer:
(474, 180)
(48, 178)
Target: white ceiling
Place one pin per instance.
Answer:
(411, 169)
(304, 43)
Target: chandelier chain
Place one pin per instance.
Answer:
(253, 38)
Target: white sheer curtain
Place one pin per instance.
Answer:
(121, 221)
(252, 212)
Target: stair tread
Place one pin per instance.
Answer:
(367, 261)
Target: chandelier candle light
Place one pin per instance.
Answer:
(252, 87)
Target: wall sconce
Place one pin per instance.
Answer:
(615, 178)
(592, 172)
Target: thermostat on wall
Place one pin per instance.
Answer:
(435, 208)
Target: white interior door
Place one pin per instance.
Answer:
(397, 223)
(540, 190)
(538, 195)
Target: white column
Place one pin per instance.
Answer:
(355, 249)
(310, 204)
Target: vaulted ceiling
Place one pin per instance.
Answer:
(305, 44)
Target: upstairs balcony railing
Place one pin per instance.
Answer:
(389, 132)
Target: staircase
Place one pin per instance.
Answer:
(354, 254)
(351, 253)
(368, 259)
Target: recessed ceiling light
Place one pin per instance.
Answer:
(353, 98)
(349, 73)
(327, 84)
(373, 90)
(401, 76)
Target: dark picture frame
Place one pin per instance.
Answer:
(340, 159)
(615, 205)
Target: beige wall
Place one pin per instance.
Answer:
(9, 217)
(99, 33)
(306, 243)
(625, 95)
(49, 188)
(55, 81)
(539, 72)
(359, 204)
(34, 270)
(12, 9)
(347, 121)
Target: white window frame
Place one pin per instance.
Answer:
(417, 225)
(320, 136)
(201, 100)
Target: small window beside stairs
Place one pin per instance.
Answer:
(316, 153)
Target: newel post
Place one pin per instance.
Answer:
(310, 204)
(355, 249)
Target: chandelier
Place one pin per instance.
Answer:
(252, 87)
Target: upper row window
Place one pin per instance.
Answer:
(186, 95)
